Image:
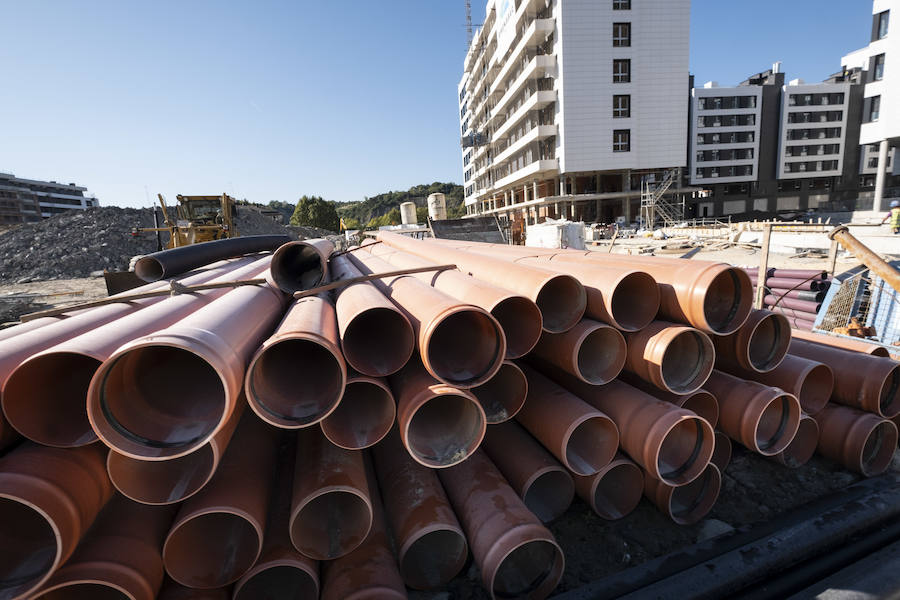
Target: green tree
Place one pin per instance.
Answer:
(421, 214)
(315, 211)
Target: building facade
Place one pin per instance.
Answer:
(566, 106)
(29, 200)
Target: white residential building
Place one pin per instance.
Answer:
(566, 105)
(23, 200)
(814, 121)
(881, 108)
(725, 125)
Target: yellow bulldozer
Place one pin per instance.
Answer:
(197, 219)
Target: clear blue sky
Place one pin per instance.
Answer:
(271, 100)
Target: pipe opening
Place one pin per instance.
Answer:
(331, 524)
(149, 269)
(618, 491)
(772, 431)
(296, 381)
(562, 301)
(727, 301)
(465, 347)
(364, 415)
(211, 550)
(687, 362)
(526, 569)
(815, 389)
(445, 430)
(803, 446)
(550, 494)
(297, 267)
(143, 392)
(721, 452)
(161, 481)
(889, 401)
(591, 445)
(635, 301)
(691, 502)
(879, 449)
(521, 321)
(704, 405)
(28, 548)
(394, 337)
(281, 581)
(684, 452)
(769, 342)
(503, 395)
(84, 591)
(601, 355)
(433, 559)
(44, 399)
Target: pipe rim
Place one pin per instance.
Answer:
(598, 434)
(670, 367)
(635, 301)
(343, 429)
(149, 269)
(703, 404)
(550, 576)
(543, 487)
(727, 299)
(88, 583)
(721, 451)
(178, 527)
(874, 460)
(460, 451)
(353, 541)
(630, 491)
(357, 346)
(447, 565)
(767, 342)
(294, 346)
(704, 493)
(681, 472)
(449, 325)
(521, 322)
(562, 301)
(788, 421)
(116, 461)
(816, 385)
(48, 567)
(501, 407)
(802, 446)
(889, 393)
(600, 353)
(261, 569)
(292, 255)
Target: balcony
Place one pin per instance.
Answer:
(535, 101)
(537, 133)
(529, 170)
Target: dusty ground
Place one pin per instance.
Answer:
(17, 299)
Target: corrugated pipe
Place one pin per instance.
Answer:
(519, 316)
(810, 381)
(118, 558)
(686, 504)
(591, 351)
(561, 298)
(802, 447)
(503, 395)
(459, 343)
(440, 425)
(280, 571)
(364, 415)
(543, 484)
(674, 358)
(300, 266)
(331, 506)
(870, 383)
(759, 345)
(297, 377)
(615, 490)
(517, 556)
(843, 343)
(859, 441)
(431, 545)
(363, 315)
(174, 480)
(218, 533)
(577, 434)
(135, 401)
(175, 261)
(44, 397)
(764, 419)
(49, 497)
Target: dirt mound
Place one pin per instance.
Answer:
(78, 243)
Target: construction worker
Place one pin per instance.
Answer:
(894, 216)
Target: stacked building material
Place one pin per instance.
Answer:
(361, 437)
(795, 293)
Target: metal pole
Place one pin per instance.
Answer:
(875, 263)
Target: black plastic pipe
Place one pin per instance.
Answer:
(168, 263)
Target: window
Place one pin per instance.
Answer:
(878, 68)
(871, 109)
(880, 25)
(621, 70)
(621, 35)
(622, 140)
(621, 4)
(621, 106)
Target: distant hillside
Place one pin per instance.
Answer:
(380, 205)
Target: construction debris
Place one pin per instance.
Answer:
(233, 416)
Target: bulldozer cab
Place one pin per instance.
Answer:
(200, 219)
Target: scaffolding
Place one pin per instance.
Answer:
(656, 207)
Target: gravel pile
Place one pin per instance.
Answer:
(79, 243)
